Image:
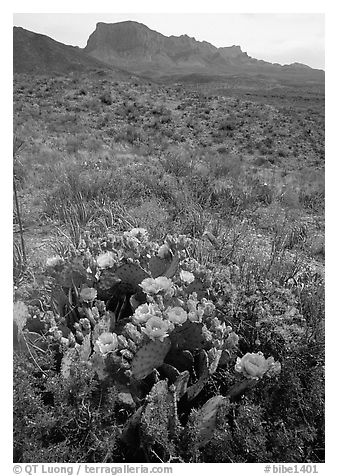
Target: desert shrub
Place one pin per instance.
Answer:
(151, 214)
(106, 98)
(58, 420)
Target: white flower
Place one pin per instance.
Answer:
(157, 328)
(274, 367)
(208, 307)
(163, 251)
(195, 313)
(231, 341)
(105, 260)
(144, 312)
(85, 324)
(253, 365)
(154, 286)
(176, 315)
(106, 343)
(88, 294)
(194, 316)
(186, 276)
(140, 234)
(54, 261)
(133, 333)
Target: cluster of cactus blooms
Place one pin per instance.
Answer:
(135, 309)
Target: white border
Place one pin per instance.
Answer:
(174, 6)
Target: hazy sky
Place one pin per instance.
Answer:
(281, 38)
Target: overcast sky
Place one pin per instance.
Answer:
(280, 38)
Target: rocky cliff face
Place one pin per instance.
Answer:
(136, 48)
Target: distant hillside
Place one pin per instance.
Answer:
(33, 52)
(136, 48)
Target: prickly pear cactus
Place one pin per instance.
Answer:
(197, 287)
(159, 266)
(131, 273)
(207, 418)
(169, 372)
(108, 279)
(149, 357)
(190, 336)
(129, 434)
(67, 363)
(203, 375)
(171, 271)
(159, 421)
(214, 356)
(181, 384)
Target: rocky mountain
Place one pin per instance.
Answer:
(33, 52)
(135, 47)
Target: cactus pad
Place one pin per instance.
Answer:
(180, 359)
(159, 420)
(131, 273)
(171, 271)
(73, 275)
(214, 356)
(129, 434)
(181, 384)
(197, 287)
(169, 372)
(203, 374)
(189, 336)
(225, 357)
(149, 357)
(207, 418)
(159, 266)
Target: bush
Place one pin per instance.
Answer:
(106, 98)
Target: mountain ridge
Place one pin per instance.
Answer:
(38, 53)
(133, 48)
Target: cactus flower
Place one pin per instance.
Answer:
(105, 260)
(194, 316)
(140, 233)
(163, 251)
(231, 341)
(88, 294)
(106, 343)
(176, 315)
(186, 276)
(144, 312)
(274, 367)
(154, 286)
(208, 307)
(157, 328)
(255, 366)
(54, 261)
